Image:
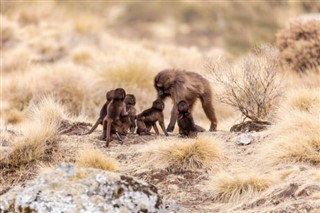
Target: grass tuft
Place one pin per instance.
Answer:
(228, 187)
(40, 138)
(182, 155)
(94, 158)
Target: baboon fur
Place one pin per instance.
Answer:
(187, 127)
(188, 86)
(115, 110)
(130, 101)
(149, 117)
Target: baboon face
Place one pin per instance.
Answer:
(130, 99)
(158, 104)
(119, 94)
(183, 107)
(163, 83)
(109, 95)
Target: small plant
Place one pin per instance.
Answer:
(94, 158)
(250, 86)
(299, 44)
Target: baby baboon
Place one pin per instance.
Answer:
(149, 117)
(103, 112)
(130, 101)
(188, 86)
(115, 110)
(187, 127)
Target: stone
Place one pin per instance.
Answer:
(71, 189)
(244, 139)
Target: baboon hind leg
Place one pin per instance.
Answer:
(209, 111)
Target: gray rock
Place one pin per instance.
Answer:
(71, 189)
(244, 139)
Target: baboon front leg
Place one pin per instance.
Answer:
(163, 127)
(173, 119)
(209, 111)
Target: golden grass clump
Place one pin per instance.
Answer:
(39, 138)
(94, 158)
(47, 111)
(299, 44)
(228, 187)
(295, 138)
(182, 155)
(303, 99)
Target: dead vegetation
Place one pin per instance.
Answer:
(182, 154)
(299, 44)
(58, 64)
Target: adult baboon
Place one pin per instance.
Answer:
(130, 101)
(149, 117)
(188, 86)
(186, 124)
(103, 112)
(115, 110)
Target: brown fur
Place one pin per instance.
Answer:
(188, 86)
(149, 117)
(115, 110)
(187, 127)
(103, 112)
(130, 101)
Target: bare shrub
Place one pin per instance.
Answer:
(299, 44)
(251, 85)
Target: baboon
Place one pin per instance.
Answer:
(149, 117)
(103, 112)
(186, 124)
(130, 101)
(188, 86)
(115, 110)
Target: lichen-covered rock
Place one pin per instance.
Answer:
(71, 189)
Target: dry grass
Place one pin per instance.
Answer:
(182, 155)
(296, 136)
(302, 99)
(226, 187)
(94, 158)
(39, 138)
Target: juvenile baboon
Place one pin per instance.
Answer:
(188, 86)
(149, 117)
(103, 112)
(186, 124)
(115, 110)
(130, 101)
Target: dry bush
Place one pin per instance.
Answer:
(226, 187)
(299, 44)
(39, 138)
(251, 86)
(182, 155)
(94, 158)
